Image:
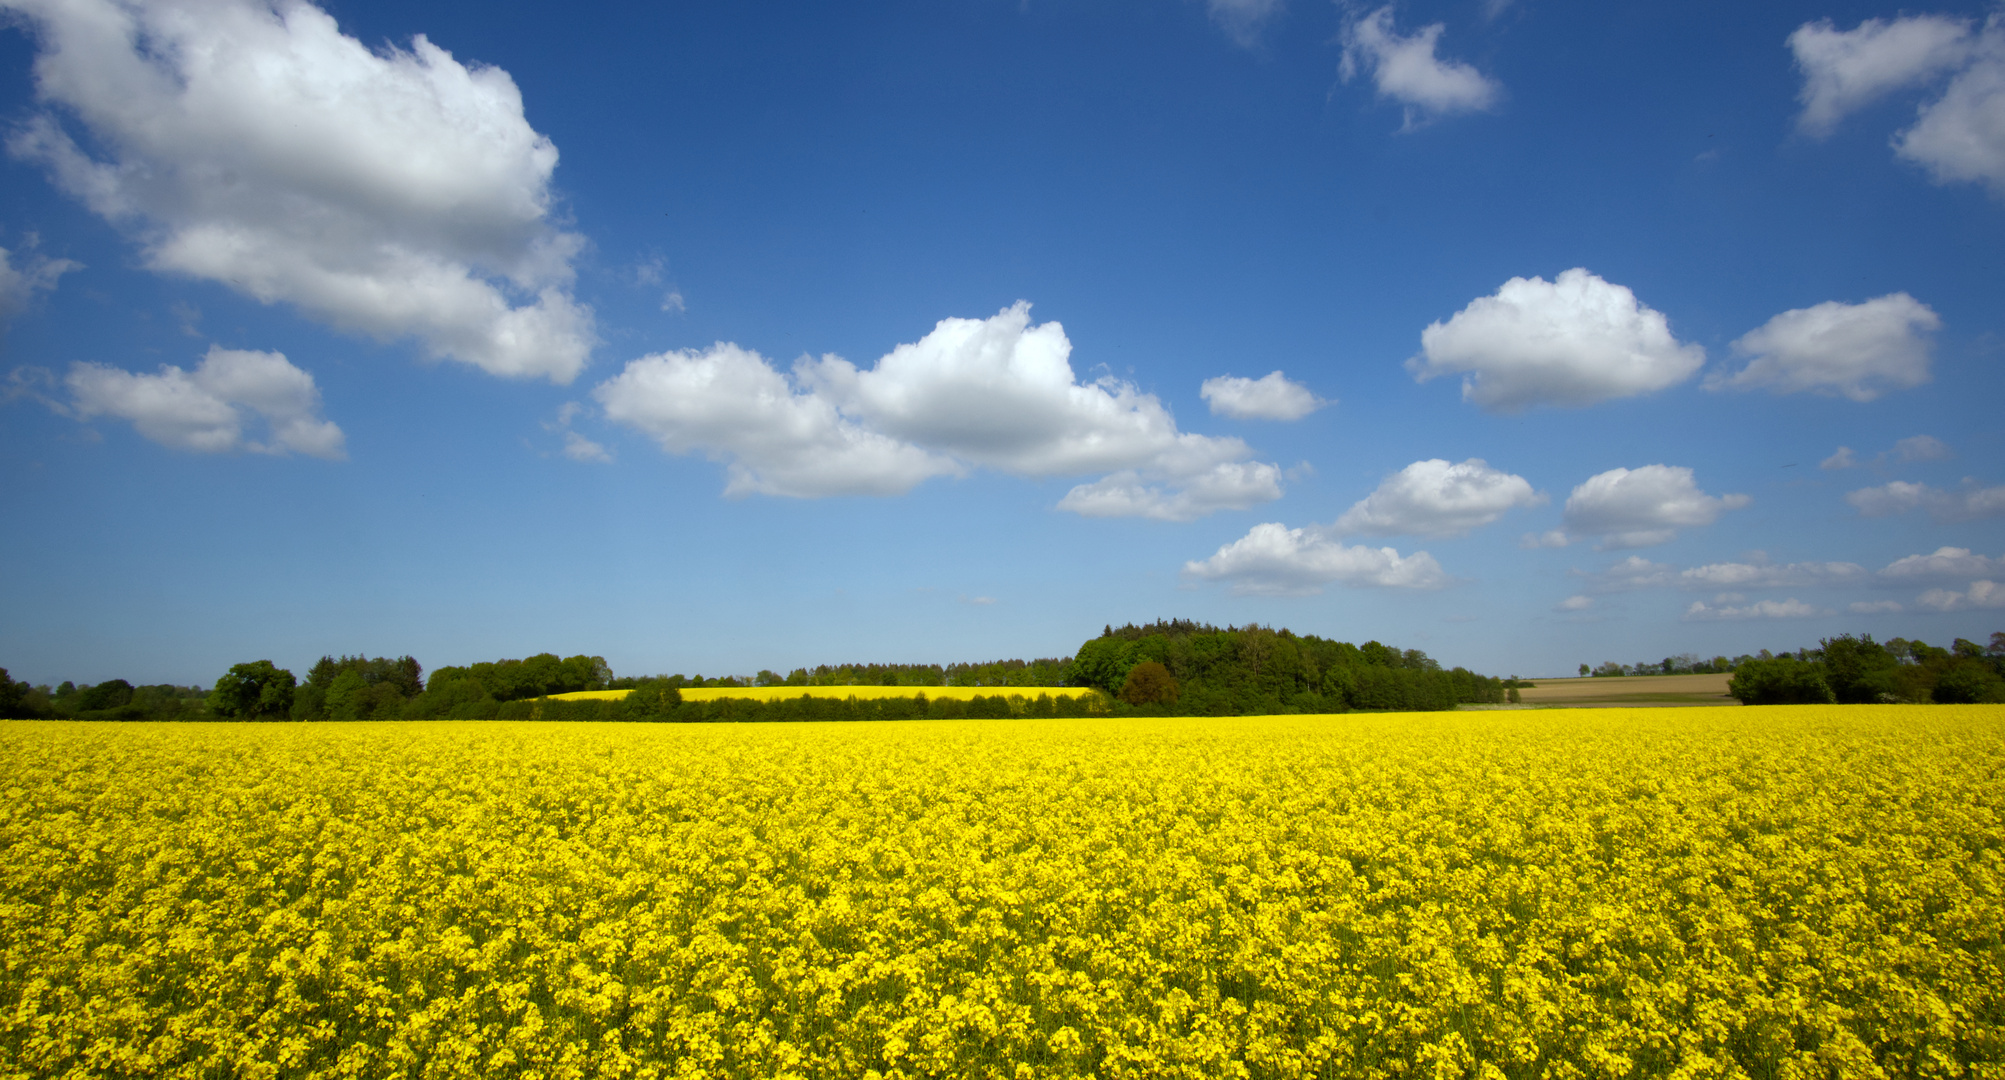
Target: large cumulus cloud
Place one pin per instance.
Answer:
(996, 393)
(392, 193)
(1575, 340)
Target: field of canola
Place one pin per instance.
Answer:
(1780, 892)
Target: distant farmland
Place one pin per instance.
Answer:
(1631, 691)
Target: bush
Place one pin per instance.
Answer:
(1783, 681)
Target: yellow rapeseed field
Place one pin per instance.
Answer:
(1774, 892)
(783, 693)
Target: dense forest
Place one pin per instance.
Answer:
(1171, 667)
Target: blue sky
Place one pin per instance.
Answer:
(715, 337)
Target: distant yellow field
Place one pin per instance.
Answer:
(787, 693)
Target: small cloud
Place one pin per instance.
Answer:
(1406, 70)
(207, 409)
(1792, 608)
(1956, 137)
(1301, 470)
(1843, 459)
(672, 302)
(1921, 448)
(1629, 508)
(1984, 595)
(579, 448)
(1858, 351)
(1551, 538)
(978, 601)
(20, 285)
(1971, 503)
(1242, 20)
(1274, 560)
(1270, 397)
(1434, 498)
(576, 446)
(1759, 573)
(1844, 70)
(189, 316)
(1944, 564)
(1573, 604)
(1634, 572)
(1874, 607)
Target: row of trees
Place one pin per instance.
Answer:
(1682, 664)
(1048, 671)
(659, 700)
(113, 699)
(1165, 667)
(1859, 670)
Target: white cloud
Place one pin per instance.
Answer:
(392, 193)
(1944, 564)
(1551, 538)
(1574, 604)
(576, 446)
(996, 393)
(1958, 137)
(1576, 340)
(1981, 594)
(1436, 499)
(1243, 20)
(1874, 607)
(729, 404)
(204, 410)
(36, 274)
(1843, 459)
(1759, 573)
(1642, 507)
(1406, 70)
(1921, 448)
(1270, 397)
(1961, 136)
(579, 448)
(1858, 350)
(1634, 572)
(1969, 504)
(1233, 485)
(1844, 70)
(1765, 609)
(1274, 560)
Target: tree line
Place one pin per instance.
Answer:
(1167, 667)
(1850, 670)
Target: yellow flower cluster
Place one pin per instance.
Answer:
(788, 693)
(1780, 892)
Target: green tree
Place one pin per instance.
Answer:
(1859, 670)
(1783, 681)
(255, 691)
